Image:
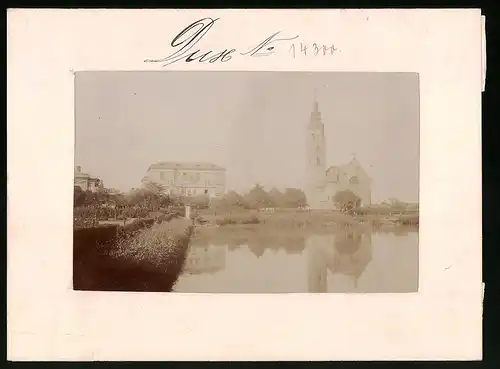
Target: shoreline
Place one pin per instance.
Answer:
(309, 220)
(149, 261)
(150, 258)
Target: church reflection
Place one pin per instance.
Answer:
(346, 253)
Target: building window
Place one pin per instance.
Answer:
(354, 180)
(206, 191)
(317, 160)
(162, 176)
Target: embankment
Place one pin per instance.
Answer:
(315, 220)
(145, 256)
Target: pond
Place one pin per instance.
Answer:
(249, 259)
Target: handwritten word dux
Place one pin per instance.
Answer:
(185, 43)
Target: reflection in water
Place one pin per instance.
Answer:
(254, 260)
(204, 259)
(344, 253)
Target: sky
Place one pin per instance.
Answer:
(252, 123)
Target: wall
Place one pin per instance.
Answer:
(192, 182)
(86, 184)
(339, 179)
(82, 182)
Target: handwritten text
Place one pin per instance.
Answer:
(186, 49)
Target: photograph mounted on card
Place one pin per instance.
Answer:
(317, 166)
(274, 183)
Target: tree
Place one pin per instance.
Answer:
(230, 200)
(156, 189)
(176, 200)
(199, 202)
(277, 197)
(258, 198)
(91, 198)
(346, 200)
(294, 198)
(79, 196)
(151, 195)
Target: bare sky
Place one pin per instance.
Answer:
(252, 123)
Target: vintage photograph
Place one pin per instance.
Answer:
(246, 182)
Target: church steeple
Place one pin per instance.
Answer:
(316, 150)
(316, 119)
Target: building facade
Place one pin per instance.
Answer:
(188, 179)
(323, 183)
(86, 182)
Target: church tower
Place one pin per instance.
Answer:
(316, 166)
(317, 264)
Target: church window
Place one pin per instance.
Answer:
(354, 180)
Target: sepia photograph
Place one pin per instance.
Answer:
(323, 168)
(246, 182)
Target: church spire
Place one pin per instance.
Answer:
(315, 114)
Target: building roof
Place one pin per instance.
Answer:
(354, 163)
(172, 165)
(81, 175)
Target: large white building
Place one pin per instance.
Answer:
(324, 183)
(188, 179)
(86, 182)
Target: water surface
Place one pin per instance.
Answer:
(253, 260)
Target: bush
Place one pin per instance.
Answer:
(237, 219)
(88, 241)
(156, 248)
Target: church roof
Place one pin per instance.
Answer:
(353, 163)
(171, 165)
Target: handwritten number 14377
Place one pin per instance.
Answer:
(314, 49)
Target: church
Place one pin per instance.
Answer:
(322, 182)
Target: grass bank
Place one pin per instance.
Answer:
(148, 261)
(258, 237)
(310, 219)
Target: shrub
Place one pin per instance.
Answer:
(156, 248)
(237, 219)
(88, 241)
